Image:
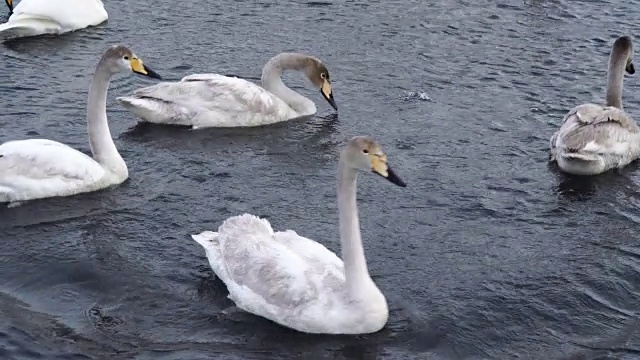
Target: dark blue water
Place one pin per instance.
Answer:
(489, 253)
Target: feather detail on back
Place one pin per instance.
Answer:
(37, 168)
(37, 17)
(280, 275)
(208, 100)
(594, 139)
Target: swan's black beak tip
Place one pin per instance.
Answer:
(392, 177)
(631, 69)
(330, 100)
(333, 104)
(395, 179)
(152, 74)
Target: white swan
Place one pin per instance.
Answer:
(295, 281)
(39, 168)
(593, 138)
(37, 17)
(212, 100)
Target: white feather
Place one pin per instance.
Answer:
(208, 100)
(295, 281)
(284, 277)
(37, 17)
(39, 168)
(213, 100)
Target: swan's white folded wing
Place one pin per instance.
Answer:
(203, 100)
(209, 76)
(215, 92)
(592, 114)
(72, 15)
(45, 165)
(591, 128)
(265, 276)
(313, 252)
(37, 17)
(586, 111)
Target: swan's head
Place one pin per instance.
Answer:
(623, 51)
(365, 154)
(10, 5)
(119, 58)
(319, 76)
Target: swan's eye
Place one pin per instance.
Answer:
(126, 57)
(323, 75)
(365, 151)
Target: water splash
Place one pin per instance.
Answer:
(415, 95)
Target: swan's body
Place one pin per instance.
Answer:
(213, 100)
(295, 281)
(39, 168)
(38, 17)
(594, 139)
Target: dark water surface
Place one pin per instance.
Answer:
(489, 253)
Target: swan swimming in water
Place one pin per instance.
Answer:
(297, 282)
(213, 100)
(38, 168)
(593, 138)
(38, 17)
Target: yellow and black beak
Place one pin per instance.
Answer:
(630, 68)
(325, 89)
(10, 5)
(380, 167)
(140, 68)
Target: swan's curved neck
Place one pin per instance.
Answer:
(355, 264)
(615, 77)
(102, 146)
(272, 81)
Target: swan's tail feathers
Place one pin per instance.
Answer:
(26, 27)
(580, 157)
(132, 101)
(206, 238)
(155, 111)
(8, 197)
(580, 163)
(145, 109)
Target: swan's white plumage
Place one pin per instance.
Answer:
(286, 278)
(209, 100)
(295, 281)
(593, 139)
(37, 17)
(39, 168)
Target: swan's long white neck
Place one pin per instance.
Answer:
(355, 264)
(615, 77)
(272, 81)
(102, 146)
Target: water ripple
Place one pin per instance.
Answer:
(489, 253)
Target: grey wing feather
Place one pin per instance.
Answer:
(254, 260)
(589, 123)
(213, 93)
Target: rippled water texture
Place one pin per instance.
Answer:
(489, 253)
